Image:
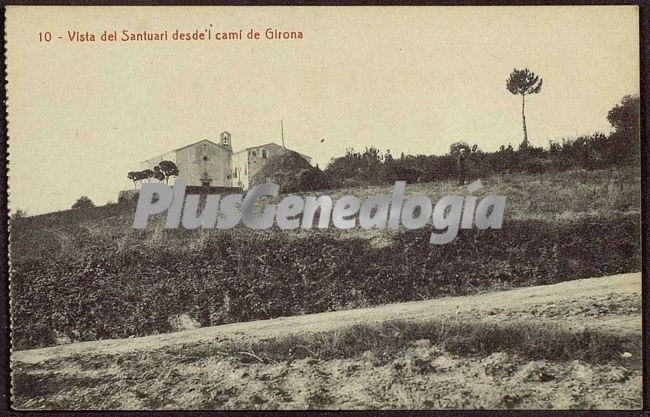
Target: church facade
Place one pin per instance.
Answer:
(209, 163)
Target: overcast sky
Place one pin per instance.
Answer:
(411, 80)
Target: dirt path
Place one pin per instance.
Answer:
(599, 302)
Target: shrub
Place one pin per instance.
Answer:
(83, 202)
(313, 179)
(293, 173)
(116, 286)
(397, 172)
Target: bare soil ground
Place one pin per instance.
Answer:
(170, 371)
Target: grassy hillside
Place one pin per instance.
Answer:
(571, 345)
(86, 274)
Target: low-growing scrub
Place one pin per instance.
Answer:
(461, 337)
(114, 285)
(397, 364)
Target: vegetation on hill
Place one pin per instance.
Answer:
(86, 274)
(292, 173)
(597, 151)
(523, 83)
(161, 172)
(83, 202)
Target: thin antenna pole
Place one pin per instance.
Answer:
(282, 130)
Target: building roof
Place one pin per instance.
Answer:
(274, 144)
(261, 146)
(202, 140)
(182, 147)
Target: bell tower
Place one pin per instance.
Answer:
(225, 140)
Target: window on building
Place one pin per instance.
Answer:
(254, 153)
(264, 153)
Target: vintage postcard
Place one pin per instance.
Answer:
(263, 208)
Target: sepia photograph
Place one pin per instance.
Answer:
(324, 208)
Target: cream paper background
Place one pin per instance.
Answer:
(408, 79)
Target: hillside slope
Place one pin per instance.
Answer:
(539, 303)
(227, 367)
(71, 269)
